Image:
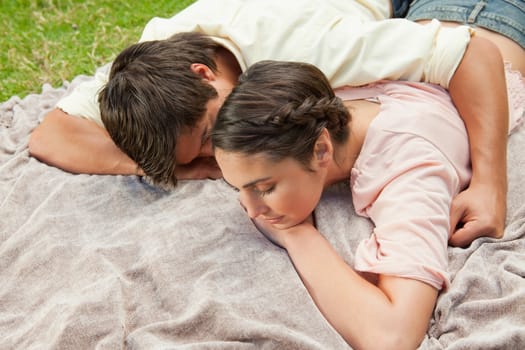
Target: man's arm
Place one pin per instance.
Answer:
(78, 145)
(479, 92)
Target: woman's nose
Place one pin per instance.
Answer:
(253, 207)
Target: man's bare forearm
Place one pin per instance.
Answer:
(78, 145)
(479, 92)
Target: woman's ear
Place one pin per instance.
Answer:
(323, 149)
(203, 70)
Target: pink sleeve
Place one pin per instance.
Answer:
(405, 186)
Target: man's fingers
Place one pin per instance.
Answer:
(472, 230)
(463, 236)
(458, 213)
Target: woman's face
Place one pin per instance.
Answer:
(283, 193)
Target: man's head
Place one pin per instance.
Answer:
(155, 104)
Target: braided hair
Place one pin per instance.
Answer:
(280, 109)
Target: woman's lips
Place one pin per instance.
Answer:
(274, 221)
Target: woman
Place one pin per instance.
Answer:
(283, 136)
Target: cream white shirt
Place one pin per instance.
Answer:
(343, 38)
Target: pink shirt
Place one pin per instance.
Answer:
(414, 160)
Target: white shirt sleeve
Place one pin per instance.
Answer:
(83, 100)
(350, 48)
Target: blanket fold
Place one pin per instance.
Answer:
(110, 262)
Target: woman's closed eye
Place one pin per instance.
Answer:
(260, 191)
(265, 191)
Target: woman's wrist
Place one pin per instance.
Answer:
(301, 236)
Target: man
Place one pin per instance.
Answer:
(343, 39)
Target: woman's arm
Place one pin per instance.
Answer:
(392, 314)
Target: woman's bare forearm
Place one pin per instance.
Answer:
(381, 316)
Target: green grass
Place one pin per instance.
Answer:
(49, 41)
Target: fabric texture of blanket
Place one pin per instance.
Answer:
(110, 262)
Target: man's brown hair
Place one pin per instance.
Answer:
(152, 96)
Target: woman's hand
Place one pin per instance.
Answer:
(279, 237)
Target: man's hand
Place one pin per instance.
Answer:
(200, 168)
(478, 211)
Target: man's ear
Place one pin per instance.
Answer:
(203, 70)
(323, 149)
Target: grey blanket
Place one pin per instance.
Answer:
(110, 262)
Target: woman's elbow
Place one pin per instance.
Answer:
(389, 339)
(400, 341)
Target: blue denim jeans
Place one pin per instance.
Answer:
(400, 8)
(506, 17)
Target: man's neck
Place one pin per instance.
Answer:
(227, 65)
